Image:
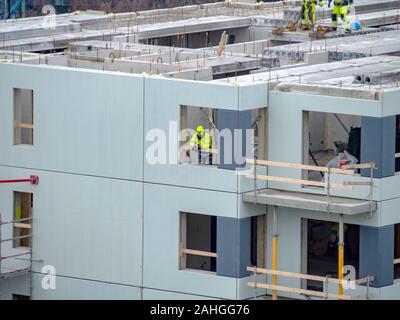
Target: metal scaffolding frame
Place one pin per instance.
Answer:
(26, 263)
(348, 170)
(14, 272)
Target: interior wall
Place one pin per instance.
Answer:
(197, 116)
(201, 39)
(325, 129)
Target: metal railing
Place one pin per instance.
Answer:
(22, 223)
(308, 293)
(348, 170)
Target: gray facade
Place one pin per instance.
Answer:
(110, 221)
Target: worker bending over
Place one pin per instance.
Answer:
(201, 142)
(308, 12)
(342, 8)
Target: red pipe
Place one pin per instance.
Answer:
(31, 180)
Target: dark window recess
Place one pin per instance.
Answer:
(198, 233)
(257, 245)
(397, 250)
(20, 297)
(397, 142)
(322, 250)
(253, 241)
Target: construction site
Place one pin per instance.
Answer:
(218, 151)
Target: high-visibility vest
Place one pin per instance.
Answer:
(308, 2)
(205, 142)
(18, 213)
(340, 3)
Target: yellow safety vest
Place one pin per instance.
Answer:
(342, 2)
(204, 143)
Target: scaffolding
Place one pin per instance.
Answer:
(309, 293)
(18, 260)
(11, 265)
(327, 185)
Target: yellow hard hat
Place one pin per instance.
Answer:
(200, 129)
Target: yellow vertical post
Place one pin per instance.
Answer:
(340, 267)
(274, 250)
(341, 255)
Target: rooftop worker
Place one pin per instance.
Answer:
(342, 8)
(308, 13)
(201, 142)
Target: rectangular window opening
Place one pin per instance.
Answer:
(23, 203)
(204, 149)
(330, 139)
(20, 297)
(320, 250)
(397, 156)
(397, 251)
(190, 142)
(23, 117)
(258, 243)
(198, 242)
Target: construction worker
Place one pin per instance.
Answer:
(308, 12)
(201, 142)
(342, 8)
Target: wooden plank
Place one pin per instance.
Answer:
(293, 275)
(300, 181)
(308, 276)
(23, 225)
(199, 253)
(358, 183)
(23, 125)
(365, 280)
(360, 166)
(298, 291)
(300, 166)
(396, 261)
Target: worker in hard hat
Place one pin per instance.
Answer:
(201, 142)
(342, 8)
(308, 12)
